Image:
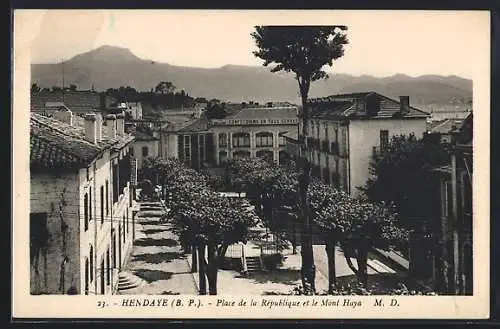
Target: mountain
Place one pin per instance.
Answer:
(110, 66)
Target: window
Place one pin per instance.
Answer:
(115, 183)
(113, 246)
(282, 140)
(108, 281)
(222, 140)
(241, 140)
(107, 197)
(222, 156)
(102, 277)
(123, 225)
(86, 211)
(201, 147)
(39, 236)
(317, 129)
(264, 139)
(127, 220)
(102, 204)
(145, 151)
(131, 150)
(91, 257)
(124, 170)
(90, 204)
(187, 149)
(384, 140)
(86, 276)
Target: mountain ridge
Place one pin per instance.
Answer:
(111, 67)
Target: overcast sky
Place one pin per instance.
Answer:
(382, 43)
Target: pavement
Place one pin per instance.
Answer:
(158, 259)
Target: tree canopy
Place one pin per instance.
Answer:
(303, 50)
(408, 161)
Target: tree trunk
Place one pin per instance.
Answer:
(308, 269)
(350, 253)
(294, 240)
(362, 259)
(194, 259)
(212, 266)
(201, 272)
(330, 252)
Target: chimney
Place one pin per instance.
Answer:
(111, 125)
(404, 104)
(90, 128)
(358, 105)
(120, 124)
(99, 126)
(64, 115)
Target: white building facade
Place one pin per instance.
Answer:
(81, 221)
(345, 130)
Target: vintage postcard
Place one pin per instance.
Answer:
(251, 164)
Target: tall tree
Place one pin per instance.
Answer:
(305, 51)
(164, 87)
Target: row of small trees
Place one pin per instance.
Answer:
(356, 225)
(206, 222)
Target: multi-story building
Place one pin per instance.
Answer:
(81, 223)
(451, 248)
(244, 132)
(344, 131)
(145, 145)
(254, 132)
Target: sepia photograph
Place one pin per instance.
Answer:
(207, 153)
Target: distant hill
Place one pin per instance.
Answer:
(111, 67)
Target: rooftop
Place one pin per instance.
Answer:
(73, 99)
(344, 106)
(264, 113)
(200, 124)
(56, 144)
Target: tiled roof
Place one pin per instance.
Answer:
(176, 123)
(265, 113)
(54, 143)
(344, 106)
(73, 99)
(197, 125)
